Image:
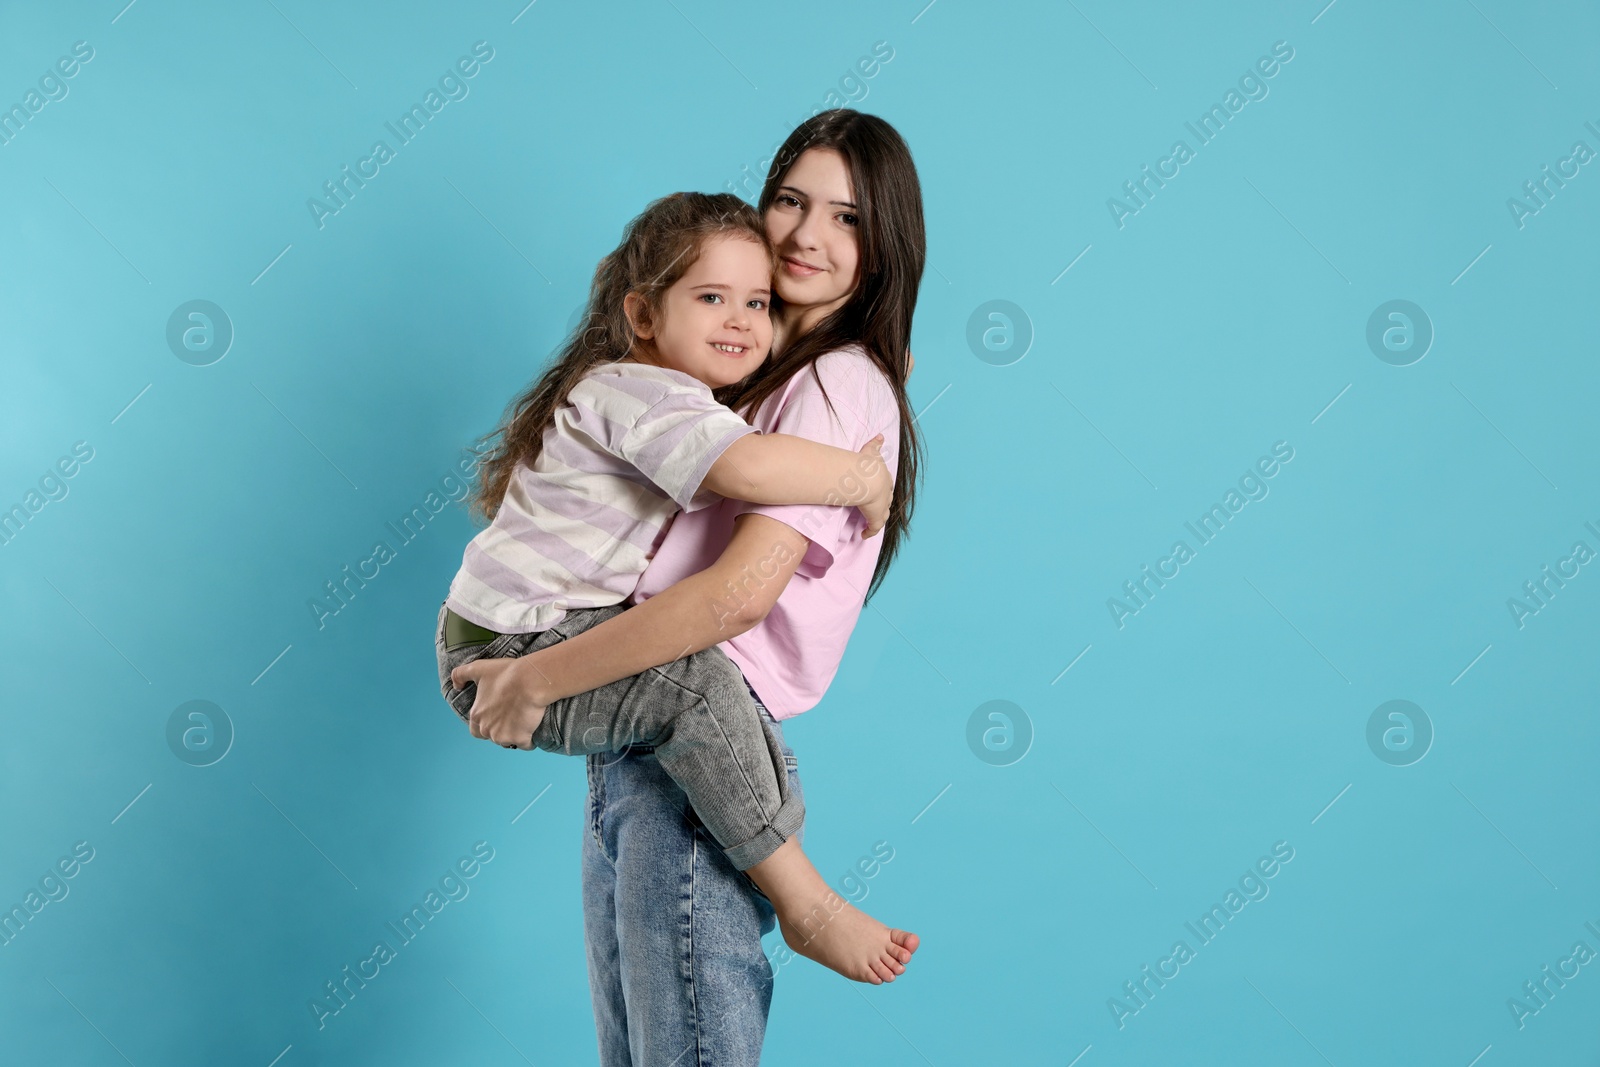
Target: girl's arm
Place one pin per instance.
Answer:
(777, 468)
(693, 614)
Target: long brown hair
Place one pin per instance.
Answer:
(877, 316)
(658, 247)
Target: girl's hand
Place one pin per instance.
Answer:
(504, 709)
(879, 486)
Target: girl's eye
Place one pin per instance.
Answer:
(759, 304)
(848, 219)
(787, 200)
(711, 296)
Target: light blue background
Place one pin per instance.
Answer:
(1226, 716)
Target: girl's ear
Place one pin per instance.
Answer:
(633, 306)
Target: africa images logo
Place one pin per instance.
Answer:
(1206, 128)
(452, 86)
(1252, 485)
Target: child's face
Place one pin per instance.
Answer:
(714, 322)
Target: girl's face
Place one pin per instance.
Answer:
(813, 224)
(713, 323)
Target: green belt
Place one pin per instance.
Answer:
(459, 632)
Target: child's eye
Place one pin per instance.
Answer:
(711, 296)
(759, 304)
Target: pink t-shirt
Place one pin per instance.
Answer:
(790, 657)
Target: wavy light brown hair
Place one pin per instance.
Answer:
(658, 248)
(877, 316)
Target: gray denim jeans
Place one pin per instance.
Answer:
(695, 712)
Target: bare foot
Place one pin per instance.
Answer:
(840, 936)
(821, 925)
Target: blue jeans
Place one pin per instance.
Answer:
(698, 714)
(672, 929)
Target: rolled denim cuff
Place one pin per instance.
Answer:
(785, 823)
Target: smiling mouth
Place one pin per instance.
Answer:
(799, 267)
(732, 350)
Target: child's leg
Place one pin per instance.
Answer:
(708, 736)
(823, 926)
(452, 656)
(698, 716)
(695, 712)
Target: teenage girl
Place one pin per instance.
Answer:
(618, 435)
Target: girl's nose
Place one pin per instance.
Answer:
(804, 234)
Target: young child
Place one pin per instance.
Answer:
(615, 438)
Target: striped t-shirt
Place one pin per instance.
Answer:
(628, 449)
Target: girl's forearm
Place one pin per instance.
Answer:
(778, 468)
(680, 621)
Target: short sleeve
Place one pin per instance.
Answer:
(671, 433)
(863, 406)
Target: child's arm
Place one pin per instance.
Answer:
(777, 468)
